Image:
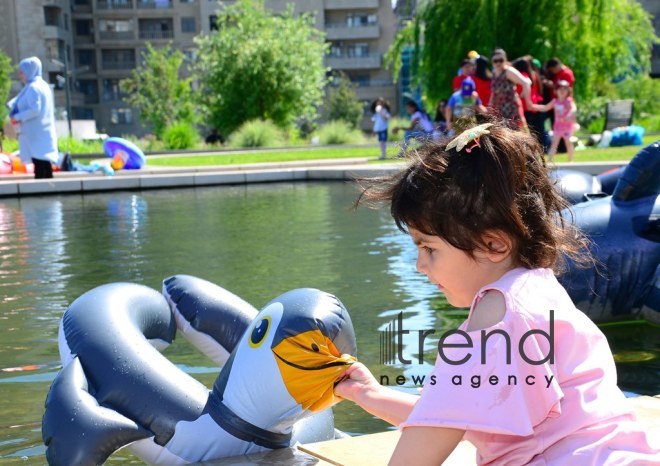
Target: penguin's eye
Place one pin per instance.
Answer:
(315, 347)
(259, 332)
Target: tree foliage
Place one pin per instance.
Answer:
(6, 69)
(343, 103)
(157, 89)
(258, 65)
(600, 40)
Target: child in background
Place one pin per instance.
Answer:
(484, 215)
(421, 126)
(440, 121)
(565, 113)
(381, 110)
(464, 103)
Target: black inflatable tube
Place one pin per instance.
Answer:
(108, 328)
(70, 408)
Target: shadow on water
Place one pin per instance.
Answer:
(258, 242)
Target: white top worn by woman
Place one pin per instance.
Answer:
(34, 109)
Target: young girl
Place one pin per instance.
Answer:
(421, 126)
(381, 110)
(565, 113)
(485, 217)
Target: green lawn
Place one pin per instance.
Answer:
(339, 152)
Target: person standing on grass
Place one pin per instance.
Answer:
(565, 112)
(381, 110)
(33, 114)
(504, 99)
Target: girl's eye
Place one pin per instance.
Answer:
(428, 249)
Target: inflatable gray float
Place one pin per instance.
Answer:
(275, 387)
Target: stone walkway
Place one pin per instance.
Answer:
(154, 177)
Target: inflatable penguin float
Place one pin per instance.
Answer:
(623, 224)
(275, 388)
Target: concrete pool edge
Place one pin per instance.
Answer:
(188, 177)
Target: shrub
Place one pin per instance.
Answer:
(77, 146)
(343, 103)
(180, 135)
(339, 132)
(9, 145)
(393, 123)
(645, 91)
(257, 133)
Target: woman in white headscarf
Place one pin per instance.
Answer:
(33, 111)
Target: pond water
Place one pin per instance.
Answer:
(257, 241)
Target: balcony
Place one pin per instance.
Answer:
(345, 62)
(156, 35)
(154, 4)
(55, 32)
(114, 4)
(116, 35)
(350, 4)
(118, 65)
(341, 31)
(83, 39)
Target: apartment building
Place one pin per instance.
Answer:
(101, 41)
(653, 7)
(43, 29)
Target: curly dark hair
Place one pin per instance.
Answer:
(501, 185)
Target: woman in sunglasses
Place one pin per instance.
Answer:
(503, 97)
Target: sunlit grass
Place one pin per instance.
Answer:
(370, 151)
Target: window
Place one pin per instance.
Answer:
(118, 59)
(82, 2)
(111, 90)
(360, 80)
(56, 79)
(335, 50)
(84, 27)
(52, 15)
(88, 87)
(81, 113)
(66, 21)
(188, 24)
(55, 49)
(121, 116)
(360, 19)
(85, 57)
(115, 25)
(358, 50)
(187, 1)
(190, 55)
(213, 22)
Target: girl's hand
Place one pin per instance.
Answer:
(356, 380)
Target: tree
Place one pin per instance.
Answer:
(343, 103)
(260, 66)
(601, 41)
(6, 69)
(158, 91)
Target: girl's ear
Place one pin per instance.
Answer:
(498, 245)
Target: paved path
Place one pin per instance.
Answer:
(153, 177)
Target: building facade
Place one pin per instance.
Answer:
(653, 7)
(101, 41)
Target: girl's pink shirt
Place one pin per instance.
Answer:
(566, 413)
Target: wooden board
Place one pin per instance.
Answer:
(376, 449)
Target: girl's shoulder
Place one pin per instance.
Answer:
(522, 292)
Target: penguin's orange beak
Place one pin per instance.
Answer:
(310, 366)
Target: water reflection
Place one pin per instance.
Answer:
(258, 242)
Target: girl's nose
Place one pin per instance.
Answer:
(420, 263)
